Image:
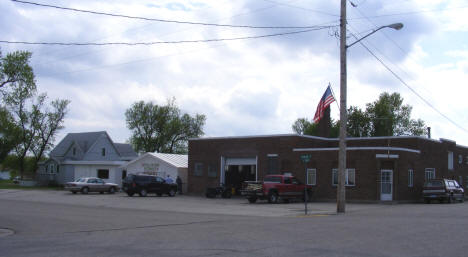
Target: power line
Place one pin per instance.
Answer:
(161, 42)
(390, 39)
(162, 20)
(409, 13)
(412, 90)
(302, 8)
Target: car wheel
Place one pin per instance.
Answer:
(85, 190)
(252, 199)
(101, 192)
(111, 190)
(158, 194)
(74, 192)
(172, 193)
(130, 194)
(273, 197)
(427, 201)
(143, 193)
(450, 199)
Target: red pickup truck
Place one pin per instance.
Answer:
(275, 187)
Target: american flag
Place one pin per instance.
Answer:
(326, 100)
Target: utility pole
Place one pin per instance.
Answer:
(341, 190)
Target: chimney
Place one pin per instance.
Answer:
(428, 132)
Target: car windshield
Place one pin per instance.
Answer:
(434, 183)
(129, 177)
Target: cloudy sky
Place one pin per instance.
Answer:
(244, 87)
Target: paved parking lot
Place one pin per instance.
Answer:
(58, 223)
(181, 203)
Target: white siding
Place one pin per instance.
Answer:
(163, 169)
(91, 171)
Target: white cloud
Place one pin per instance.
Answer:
(243, 87)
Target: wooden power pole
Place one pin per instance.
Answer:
(341, 190)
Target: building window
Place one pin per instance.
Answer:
(460, 180)
(212, 171)
(104, 174)
(350, 177)
(124, 174)
(410, 178)
(311, 177)
(198, 170)
(74, 151)
(429, 174)
(450, 160)
(466, 159)
(466, 181)
(103, 151)
(50, 168)
(460, 159)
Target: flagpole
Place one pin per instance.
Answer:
(334, 96)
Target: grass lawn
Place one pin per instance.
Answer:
(8, 184)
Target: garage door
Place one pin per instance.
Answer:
(241, 161)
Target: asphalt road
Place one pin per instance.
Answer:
(77, 227)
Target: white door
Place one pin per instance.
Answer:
(386, 185)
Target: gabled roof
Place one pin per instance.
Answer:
(85, 141)
(176, 160)
(125, 150)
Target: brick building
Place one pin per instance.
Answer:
(378, 168)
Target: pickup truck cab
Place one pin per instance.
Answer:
(275, 187)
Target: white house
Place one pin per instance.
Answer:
(89, 154)
(160, 164)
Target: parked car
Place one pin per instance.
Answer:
(91, 184)
(443, 189)
(275, 187)
(144, 184)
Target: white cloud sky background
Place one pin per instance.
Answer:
(248, 87)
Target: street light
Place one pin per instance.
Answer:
(395, 26)
(341, 193)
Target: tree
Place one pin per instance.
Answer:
(303, 126)
(16, 78)
(389, 117)
(48, 123)
(33, 124)
(16, 71)
(9, 133)
(358, 123)
(162, 128)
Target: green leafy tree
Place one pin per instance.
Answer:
(49, 122)
(389, 117)
(15, 75)
(303, 126)
(9, 133)
(33, 123)
(162, 129)
(359, 124)
(15, 71)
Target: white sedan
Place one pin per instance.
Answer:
(86, 185)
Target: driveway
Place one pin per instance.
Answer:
(181, 203)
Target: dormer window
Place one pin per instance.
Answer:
(103, 151)
(74, 151)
